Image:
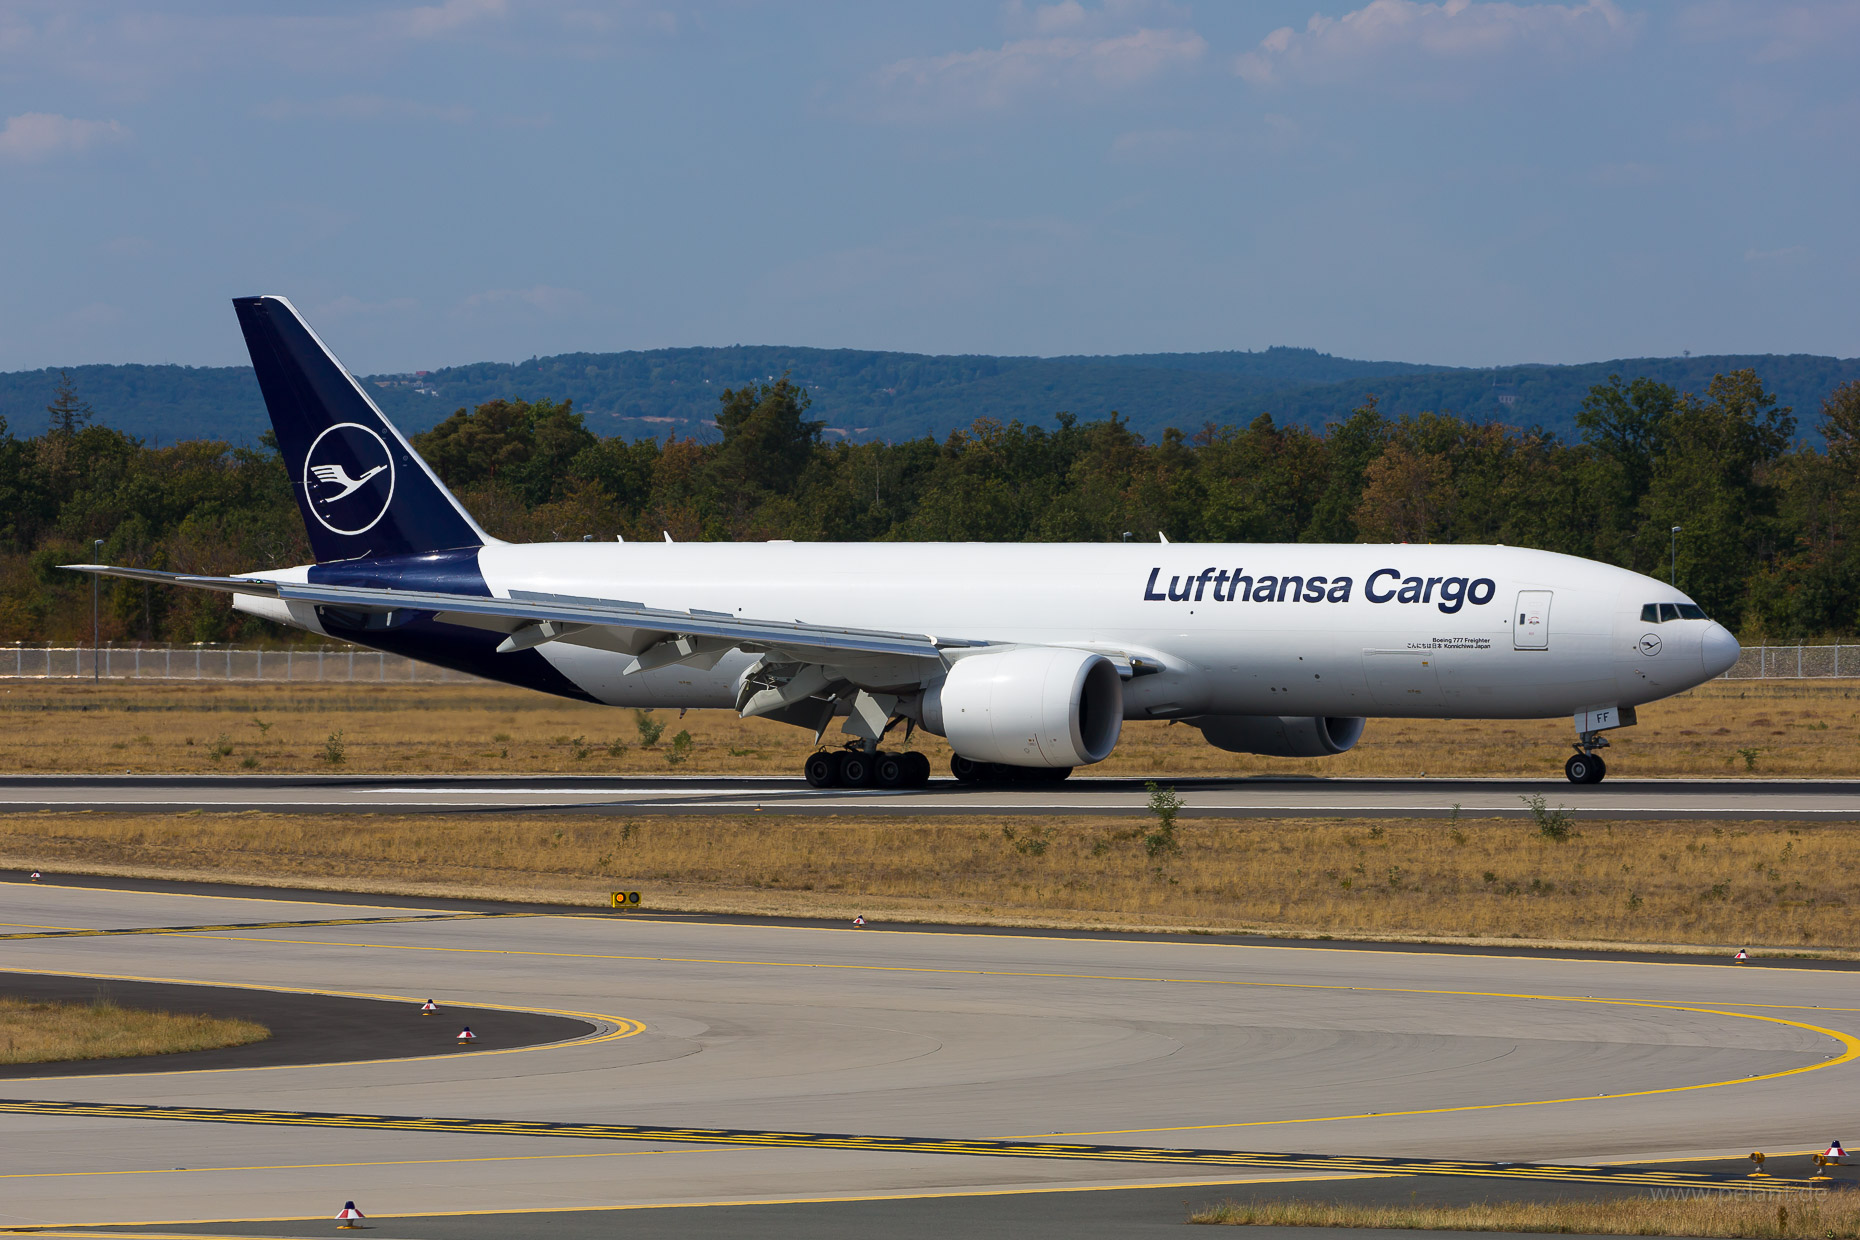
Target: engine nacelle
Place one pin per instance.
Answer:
(1281, 736)
(1031, 706)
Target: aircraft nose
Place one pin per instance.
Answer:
(1720, 650)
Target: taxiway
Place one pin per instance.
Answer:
(741, 1064)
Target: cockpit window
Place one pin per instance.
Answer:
(1659, 613)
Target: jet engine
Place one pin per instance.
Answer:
(1043, 706)
(1281, 736)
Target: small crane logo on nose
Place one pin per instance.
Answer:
(1650, 644)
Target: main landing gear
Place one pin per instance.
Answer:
(1585, 766)
(854, 768)
(969, 771)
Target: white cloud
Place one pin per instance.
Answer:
(348, 307)
(544, 297)
(429, 21)
(1783, 255)
(1775, 31)
(129, 247)
(41, 135)
(366, 108)
(990, 78)
(1397, 32)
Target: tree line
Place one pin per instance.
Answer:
(1767, 543)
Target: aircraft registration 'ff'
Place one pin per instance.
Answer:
(1026, 657)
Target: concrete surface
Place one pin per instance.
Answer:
(929, 1035)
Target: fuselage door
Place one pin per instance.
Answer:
(1532, 631)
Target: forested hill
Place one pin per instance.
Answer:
(866, 395)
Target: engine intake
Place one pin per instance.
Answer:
(1281, 736)
(1030, 706)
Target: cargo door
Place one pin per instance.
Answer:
(1403, 682)
(1532, 630)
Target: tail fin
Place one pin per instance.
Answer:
(363, 490)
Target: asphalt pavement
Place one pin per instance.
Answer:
(1617, 798)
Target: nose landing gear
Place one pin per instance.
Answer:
(1585, 766)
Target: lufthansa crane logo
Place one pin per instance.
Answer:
(348, 478)
(1650, 644)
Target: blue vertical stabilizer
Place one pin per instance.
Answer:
(363, 491)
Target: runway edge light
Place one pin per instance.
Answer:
(428, 1008)
(466, 1036)
(348, 1217)
(1834, 1151)
(1742, 955)
(1756, 1157)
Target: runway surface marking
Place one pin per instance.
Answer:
(326, 1166)
(84, 1231)
(1850, 1044)
(622, 1026)
(1045, 1150)
(255, 925)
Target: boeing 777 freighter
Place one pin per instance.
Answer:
(1027, 657)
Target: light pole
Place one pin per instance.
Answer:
(96, 633)
(1676, 530)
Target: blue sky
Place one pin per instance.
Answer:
(1464, 183)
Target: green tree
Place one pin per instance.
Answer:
(767, 440)
(1712, 478)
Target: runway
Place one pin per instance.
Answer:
(1208, 798)
(760, 1064)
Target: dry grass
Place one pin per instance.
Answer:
(53, 1032)
(1780, 886)
(1772, 728)
(1761, 1216)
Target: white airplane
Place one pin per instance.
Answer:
(1027, 657)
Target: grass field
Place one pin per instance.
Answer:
(33, 1032)
(1833, 1216)
(1763, 728)
(1777, 886)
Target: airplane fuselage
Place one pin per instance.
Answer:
(1237, 629)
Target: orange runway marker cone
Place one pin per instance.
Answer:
(349, 1217)
(428, 1008)
(466, 1036)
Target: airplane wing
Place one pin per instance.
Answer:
(657, 635)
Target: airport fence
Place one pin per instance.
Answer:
(230, 663)
(1795, 663)
(221, 663)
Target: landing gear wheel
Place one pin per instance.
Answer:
(1585, 768)
(968, 770)
(855, 769)
(919, 770)
(891, 770)
(822, 770)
